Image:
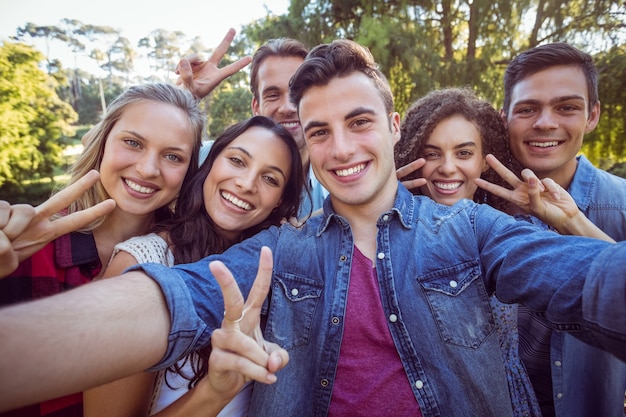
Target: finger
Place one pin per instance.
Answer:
(413, 184)
(262, 282)
(278, 357)
(236, 66)
(185, 74)
(410, 168)
(5, 213)
(221, 49)
(233, 300)
(224, 361)
(239, 343)
(527, 174)
(552, 187)
(494, 189)
(80, 219)
(68, 195)
(8, 257)
(534, 195)
(506, 174)
(21, 217)
(191, 59)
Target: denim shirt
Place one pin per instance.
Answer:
(586, 380)
(436, 267)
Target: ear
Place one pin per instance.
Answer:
(255, 106)
(594, 118)
(503, 117)
(395, 126)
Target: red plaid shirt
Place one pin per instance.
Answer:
(64, 263)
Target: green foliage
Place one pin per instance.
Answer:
(33, 120)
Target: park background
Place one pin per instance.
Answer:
(56, 78)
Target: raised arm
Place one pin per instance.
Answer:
(25, 229)
(544, 199)
(201, 77)
(81, 338)
(239, 352)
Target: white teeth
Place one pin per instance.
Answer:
(139, 188)
(543, 144)
(239, 203)
(350, 171)
(290, 125)
(448, 185)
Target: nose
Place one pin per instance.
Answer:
(447, 166)
(343, 145)
(545, 120)
(148, 165)
(246, 182)
(286, 106)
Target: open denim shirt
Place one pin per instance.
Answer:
(436, 268)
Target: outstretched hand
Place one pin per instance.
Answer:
(25, 229)
(201, 77)
(239, 351)
(409, 168)
(544, 199)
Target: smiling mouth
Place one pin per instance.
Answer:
(290, 125)
(139, 188)
(550, 144)
(235, 201)
(448, 186)
(350, 171)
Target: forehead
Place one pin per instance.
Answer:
(551, 83)
(263, 143)
(277, 71)
(340, 98)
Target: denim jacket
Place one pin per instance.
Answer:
(586, 380)
(436, 268)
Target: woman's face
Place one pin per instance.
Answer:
(247, 181)
(454, 158)
(146, 157)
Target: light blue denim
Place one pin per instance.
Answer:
(436, 268)
(587, 381)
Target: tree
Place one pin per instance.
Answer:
(33, 119)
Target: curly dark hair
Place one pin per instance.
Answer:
(427, 112)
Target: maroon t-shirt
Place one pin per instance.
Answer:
(370, 379)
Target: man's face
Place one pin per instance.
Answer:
(547, 120)
(274, 75)
(350, 139)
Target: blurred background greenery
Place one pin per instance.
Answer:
(46, 107)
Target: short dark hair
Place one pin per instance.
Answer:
(339, 58)
(281, 47)
(426, 113)
(546, 56)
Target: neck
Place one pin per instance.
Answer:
(117, 228)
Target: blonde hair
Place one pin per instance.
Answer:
(95, 139)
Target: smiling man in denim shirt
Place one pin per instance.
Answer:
(550, 103)
(382, 302)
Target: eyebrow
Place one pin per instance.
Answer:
(460, 145)
(139, 136)
(272, 167)
(355, 112)
(552, 101)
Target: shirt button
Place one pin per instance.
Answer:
(294, 291)
(393, 318)
(386, 217)
(324, 382)
(557, 363)
(343, 258)
(381, 255)
(559, 395)
(419, 384)
(335, 320)
(454, 284)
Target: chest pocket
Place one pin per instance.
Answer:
(459, 303)
(294, 301)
